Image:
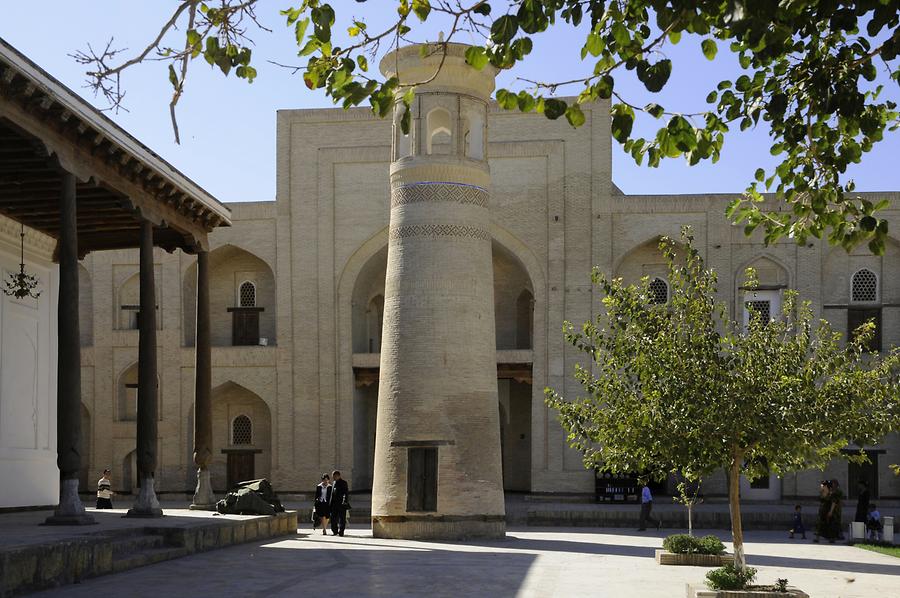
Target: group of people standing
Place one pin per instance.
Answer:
(331, 504)
(830, 515)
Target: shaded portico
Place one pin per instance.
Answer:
(68, 171)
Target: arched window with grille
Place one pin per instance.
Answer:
(659, 291)
(864, 287)
(864, 298)
(247, 294)
(241, 430)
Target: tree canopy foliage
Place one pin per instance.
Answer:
(812, 74)
(681, 388)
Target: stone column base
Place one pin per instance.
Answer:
(438, 527)
(204, 499)
(70, 510)
(146, 503)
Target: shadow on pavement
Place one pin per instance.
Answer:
(825, 565)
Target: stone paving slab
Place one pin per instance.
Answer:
(606, 563)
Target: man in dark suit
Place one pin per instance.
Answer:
(340, 502)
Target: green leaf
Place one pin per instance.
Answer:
(654, 77)
(504, 29)
(574, 115)
(506, 99)
(654, 110)
(323, 19)
(421, 8)
(477, 57)
(760, 175)
(621, 35)
(709, 48)
(554, 108)
(622, 122)
(193, 41)
(300, 30)
(594, 45)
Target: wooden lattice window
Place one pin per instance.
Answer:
(247, 294)
(761, 308)
(242, 430)
(659, 291)
(864, 287)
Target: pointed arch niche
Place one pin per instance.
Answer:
(242, 436)
(241, 287)
(766, 298)
(438, 132)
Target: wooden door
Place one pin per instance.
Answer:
(240, 467)
(863, 472)
(421, 482)
(245, 326)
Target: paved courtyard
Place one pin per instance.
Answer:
(565, 562)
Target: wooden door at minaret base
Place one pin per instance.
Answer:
(240, 467)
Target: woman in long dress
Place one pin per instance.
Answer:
(827, 525)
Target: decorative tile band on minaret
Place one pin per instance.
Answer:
(437, 446)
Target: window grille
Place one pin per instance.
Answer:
(247, 294)
(761, 307)
(659, 291)
(864, 287)
(241, 430)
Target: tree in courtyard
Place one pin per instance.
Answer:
(812, 74)
(681, 388)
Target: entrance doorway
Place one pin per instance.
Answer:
(515, 432)
(241, 466)
(863, 472)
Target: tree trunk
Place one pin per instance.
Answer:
(734, 503)
(690, 509)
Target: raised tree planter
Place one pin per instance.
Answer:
(701, 591)
(664, 557)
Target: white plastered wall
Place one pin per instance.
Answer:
(28, 336)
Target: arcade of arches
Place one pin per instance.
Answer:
(309, 271)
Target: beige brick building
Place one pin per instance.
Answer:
(297, 296)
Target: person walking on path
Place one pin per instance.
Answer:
(322, 506)
(646, 507)
(826, 525)
(104, 491)
(340, 503)
(862, 502)
(837, 498)
(797, 526)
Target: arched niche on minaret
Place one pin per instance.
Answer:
(473, 120)
(404, 143)
(441, 124)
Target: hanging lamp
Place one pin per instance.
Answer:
(22, 284)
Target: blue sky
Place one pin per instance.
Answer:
(228, 126)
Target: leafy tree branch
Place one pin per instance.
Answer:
(809, 77)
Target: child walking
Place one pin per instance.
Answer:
(797, 525)
(873, 522)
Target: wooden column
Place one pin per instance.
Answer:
(70, 510)
(146, 503)
(204, 499)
